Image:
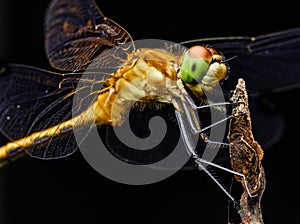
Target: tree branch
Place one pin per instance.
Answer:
(246, 155)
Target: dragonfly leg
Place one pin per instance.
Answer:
(188, 120)
(190, 145)
(189, 109)
(192, 119)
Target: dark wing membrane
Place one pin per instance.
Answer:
(32, 100)
(25, 92)
(76, 32)
(60, 145)
(267, 63)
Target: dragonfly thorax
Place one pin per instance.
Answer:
(152, 75)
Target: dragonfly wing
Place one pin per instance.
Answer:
(32, 100)
(268, 63)
(25, 92)
(61, 145)
(76, 32)
(55, 146)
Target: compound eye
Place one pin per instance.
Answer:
(200, 52)
(195, 63)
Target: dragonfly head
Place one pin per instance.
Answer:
(201, 64)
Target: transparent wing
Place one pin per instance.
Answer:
(268, 63)
(32, 100)
(26, 92)
(76, 32)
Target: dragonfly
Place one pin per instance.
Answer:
(37, 106)
(76, 33)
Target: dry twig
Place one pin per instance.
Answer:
(246, 155)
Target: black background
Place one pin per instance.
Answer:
(69, 190)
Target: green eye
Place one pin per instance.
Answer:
(195, 64)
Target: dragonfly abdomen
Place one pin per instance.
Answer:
(17, 148)
(41, 139)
